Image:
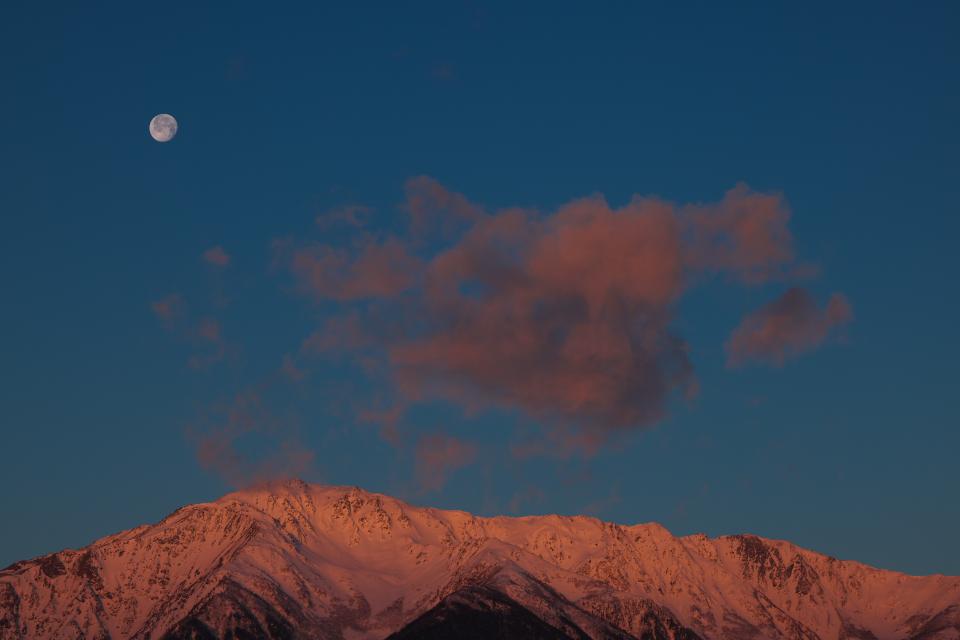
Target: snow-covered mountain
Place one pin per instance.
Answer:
(308, 561)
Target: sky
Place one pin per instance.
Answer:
(688, 263)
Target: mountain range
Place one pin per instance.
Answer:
(295, 560)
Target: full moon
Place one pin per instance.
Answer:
(163, 127)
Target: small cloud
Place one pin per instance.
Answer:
(600, 506)
(382, 269)
(204, 335)
(216, 256)
(205, 360)
(444, 71)
(208, 339)
(290, 369)
(208, 329)
(529, 496)
(437, 455)
(219, 435)
(354, 215)
(435, 209)
(168, 309)
(338, 333)
(746, 235)
(787, 327)
(389, 421)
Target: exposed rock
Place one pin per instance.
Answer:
(305, 561)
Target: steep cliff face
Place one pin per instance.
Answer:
(308, 561)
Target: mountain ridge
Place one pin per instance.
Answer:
(290, 560)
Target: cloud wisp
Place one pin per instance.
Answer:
(204, 334)
(787, 327)
(216, 256)
(220, 434)
(437, 455)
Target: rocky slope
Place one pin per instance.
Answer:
(308, 561)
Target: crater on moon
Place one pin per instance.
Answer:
(163, 127)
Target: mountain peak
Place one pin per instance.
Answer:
(292, 559)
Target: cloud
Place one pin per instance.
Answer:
(208, 329)
(567, 316)
(354, 215)
(790, 325)
(342, 332)
(564, 316)
(389, 421)
(746, 234)
(291, 370)
(380, 270)
(602, 505)
(168, 309)
(207, 337)
(217, 257)
(434, 208)
(444, 71)
(529, 496)
(204, 334)
(219, 436)
(437, 455)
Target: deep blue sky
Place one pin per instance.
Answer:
(851, 113)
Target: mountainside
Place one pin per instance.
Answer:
(309, 561)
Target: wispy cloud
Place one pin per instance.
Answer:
(354, 215)
(437, 455)
(381, 269)
(168, 309)
(204, 334)
(219, 435)
(789, 326)
(217, 257)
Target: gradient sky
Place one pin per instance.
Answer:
(152, 291)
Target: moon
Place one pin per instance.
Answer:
(163, 127)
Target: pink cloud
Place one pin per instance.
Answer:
(338, 333)
(208, 329)
(790, 325)
(746, 235)
(216, 256)
(379, 270)
(291, 369)
(530, 496)
(434, 208)
(567, 316)
(204, 334)
(354, 215)
(389, 421)
(169, 308)
(208, 340)
(437, 455)
(218, 437)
